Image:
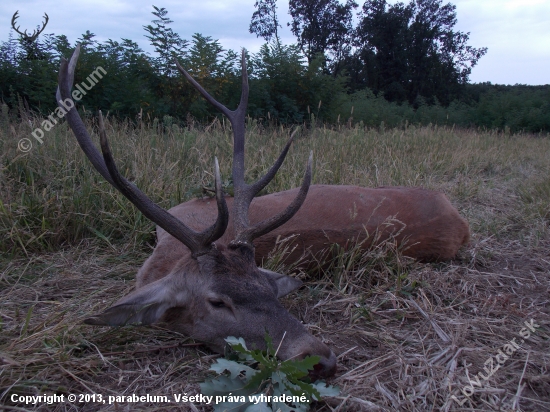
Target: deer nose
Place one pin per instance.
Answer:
(325, 368)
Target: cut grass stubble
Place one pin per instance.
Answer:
(408, 334)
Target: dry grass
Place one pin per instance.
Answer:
(408, 334)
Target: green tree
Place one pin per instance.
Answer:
(322, 27)
(28, 72)
(167, 43)
(412, 51)
(264, 22)
(164, 80)
(126, 87)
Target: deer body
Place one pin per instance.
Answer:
(424, 220)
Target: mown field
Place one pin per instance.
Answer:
(409, 336)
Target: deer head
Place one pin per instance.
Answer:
(215, 291)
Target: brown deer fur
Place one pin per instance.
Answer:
(423, 222)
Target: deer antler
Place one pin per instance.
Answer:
(35, 33)
(198, 242)
(244, 193)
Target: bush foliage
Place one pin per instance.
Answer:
(288, 84)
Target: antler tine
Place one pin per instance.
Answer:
(239, 131)
(69, 75)
(14, 19)
(198, 243)
(268, 177)
(65, 83)
(46, 20)
(217, 230)
(203, 92)
(247, 235)
(237, 119)
(245, 193)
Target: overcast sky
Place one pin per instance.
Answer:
(517, 32)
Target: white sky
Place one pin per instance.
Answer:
(517, 32)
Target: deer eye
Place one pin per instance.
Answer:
(217, 303)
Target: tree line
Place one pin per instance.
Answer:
(393, 64)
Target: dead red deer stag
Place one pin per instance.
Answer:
(213, 290)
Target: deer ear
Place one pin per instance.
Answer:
(141, 307)
(285, 284)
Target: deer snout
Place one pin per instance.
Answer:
(327, 362)
(311, 346)
(325, 368)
